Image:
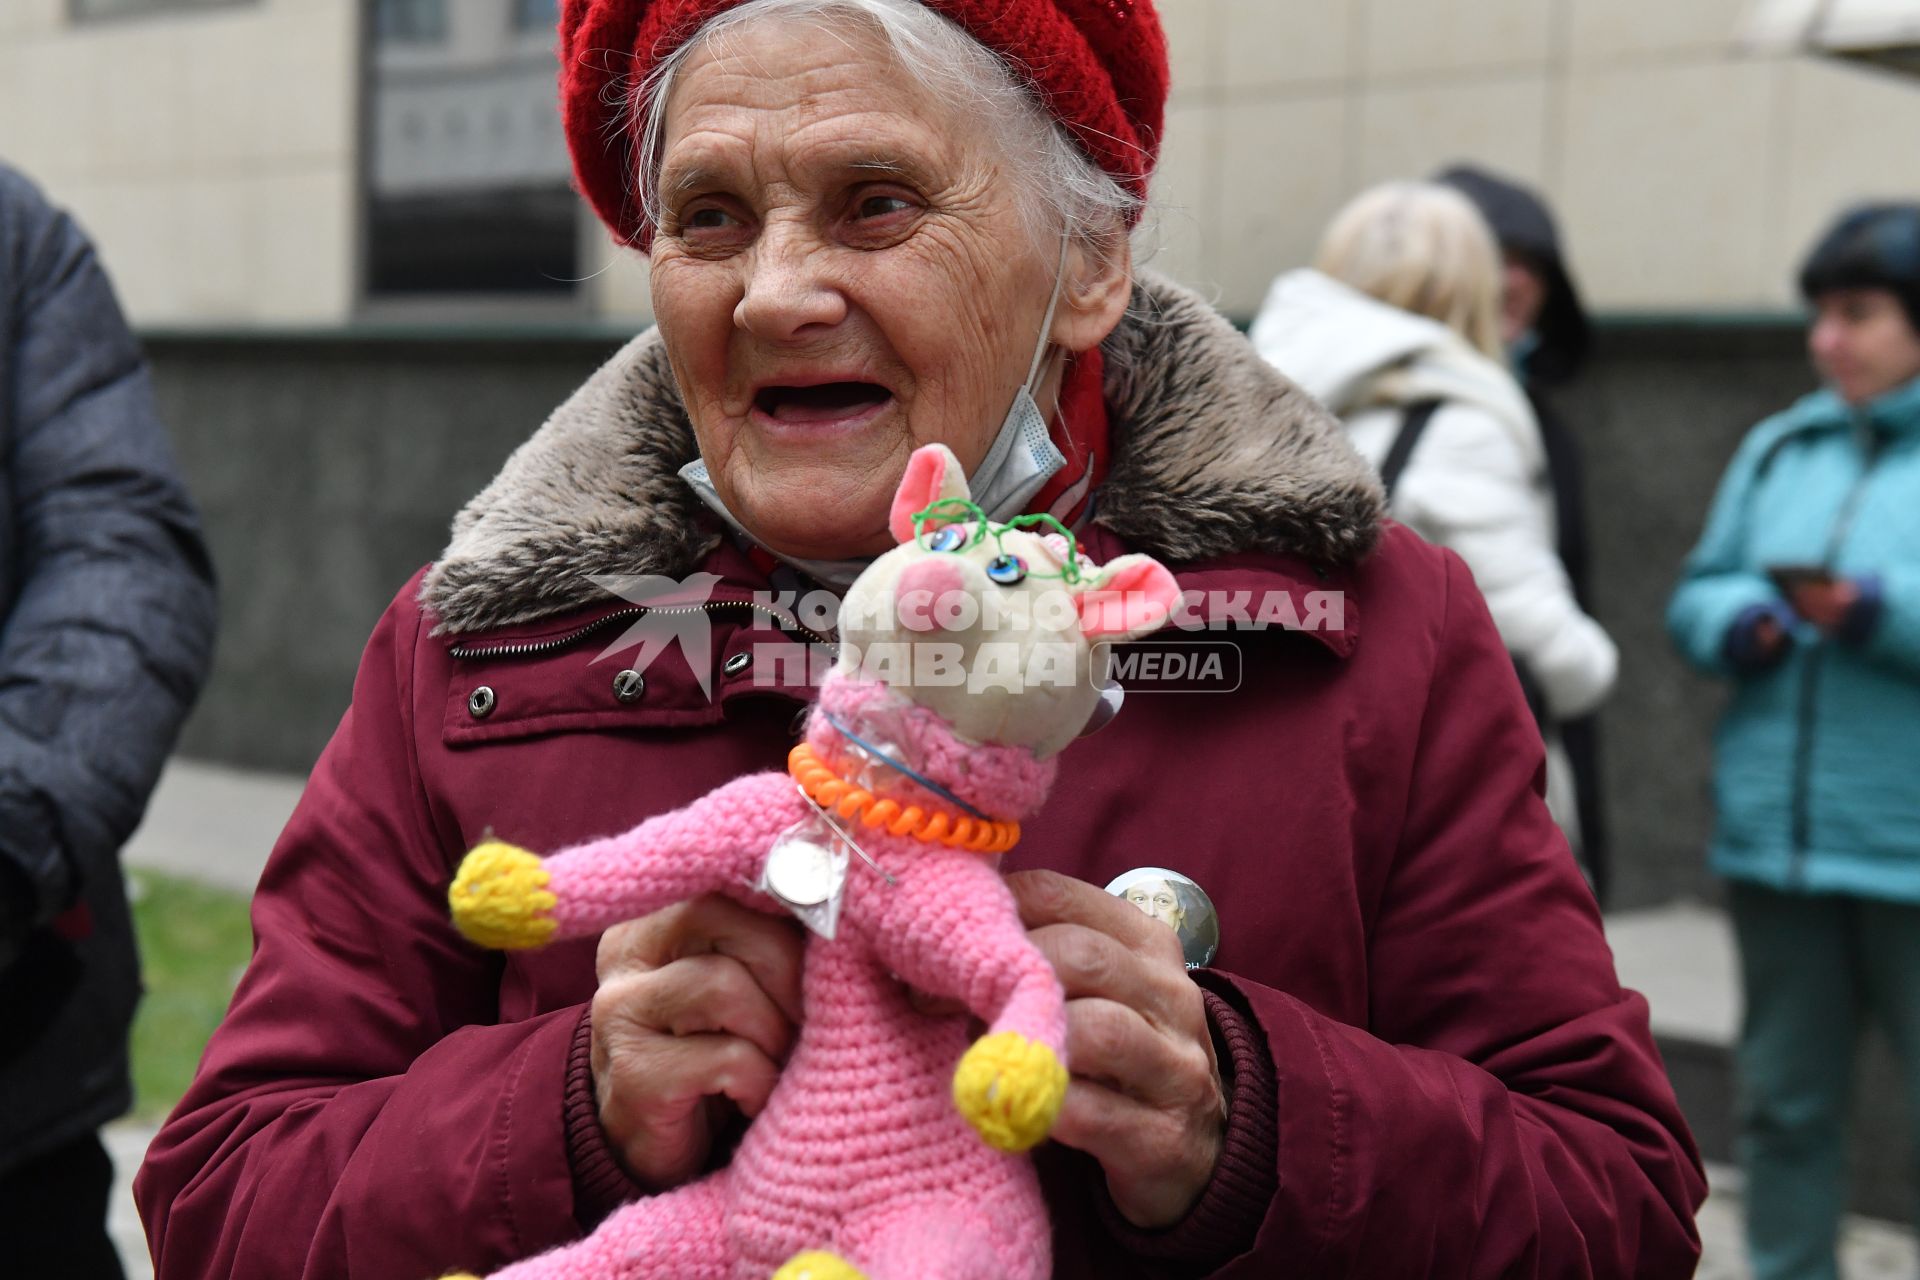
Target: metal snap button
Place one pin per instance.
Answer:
(629, 685)
(480, 703)
(737, 663)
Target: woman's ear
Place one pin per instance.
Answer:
(1098, 287)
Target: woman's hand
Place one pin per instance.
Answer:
(1826, 603)
(697, 1008)
(1145, 1100)
(1769, 639)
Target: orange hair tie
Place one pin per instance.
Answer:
(935, 825)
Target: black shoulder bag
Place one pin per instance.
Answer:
(1413, 424)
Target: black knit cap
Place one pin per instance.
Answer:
(1524, 226)
(1872, 246)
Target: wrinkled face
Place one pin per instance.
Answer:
(1157, 899)
(841, 275)
(1523, 293)
(1863, 343)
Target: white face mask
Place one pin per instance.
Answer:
(1023, 457)
(829, 573)
(1018, 464)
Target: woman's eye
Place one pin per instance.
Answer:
(881, 206)
(707, 219)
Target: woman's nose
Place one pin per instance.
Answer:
(786, 291)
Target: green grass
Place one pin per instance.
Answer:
(194, 941)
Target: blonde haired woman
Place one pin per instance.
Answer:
(1397, 330)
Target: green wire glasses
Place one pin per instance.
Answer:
(939, 528)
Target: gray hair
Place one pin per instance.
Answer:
(1061, 191)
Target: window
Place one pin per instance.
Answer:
(84, 9)
(506, 243)
(536, 15)
(467, 194)
(410, 21)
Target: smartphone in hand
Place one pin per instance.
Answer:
(1791, 578)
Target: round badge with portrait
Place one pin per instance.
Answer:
(1177, 902)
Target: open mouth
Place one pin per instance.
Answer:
(828, 403)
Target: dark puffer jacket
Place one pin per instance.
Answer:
(108, 602)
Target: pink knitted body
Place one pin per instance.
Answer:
(860, 1149)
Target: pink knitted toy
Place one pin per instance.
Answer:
(890, 1146)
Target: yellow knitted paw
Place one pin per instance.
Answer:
(815, 1265)
(500, 897)
(1010, 1089)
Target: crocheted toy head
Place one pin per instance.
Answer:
(999, 629)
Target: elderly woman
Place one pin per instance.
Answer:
(1410, 1056)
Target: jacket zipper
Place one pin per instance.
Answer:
(1803, 762)
(1810, 677)
(530, 649)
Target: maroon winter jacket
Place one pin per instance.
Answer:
(1433, 1069)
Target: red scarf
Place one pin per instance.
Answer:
(1079, 432)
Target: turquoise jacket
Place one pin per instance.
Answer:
(1817, 768)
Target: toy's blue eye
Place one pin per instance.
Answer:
(1006, 570)
(950, 538)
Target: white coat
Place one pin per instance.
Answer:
(1476, 483)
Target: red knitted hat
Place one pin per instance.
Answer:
(1100, 67)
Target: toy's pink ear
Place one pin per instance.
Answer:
(933, 473)
(1136, 595)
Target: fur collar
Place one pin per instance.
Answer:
(1214, 453)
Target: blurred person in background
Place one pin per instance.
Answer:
(109, 622)
(1804, 593)
(1544, 329)
(1397, 329)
